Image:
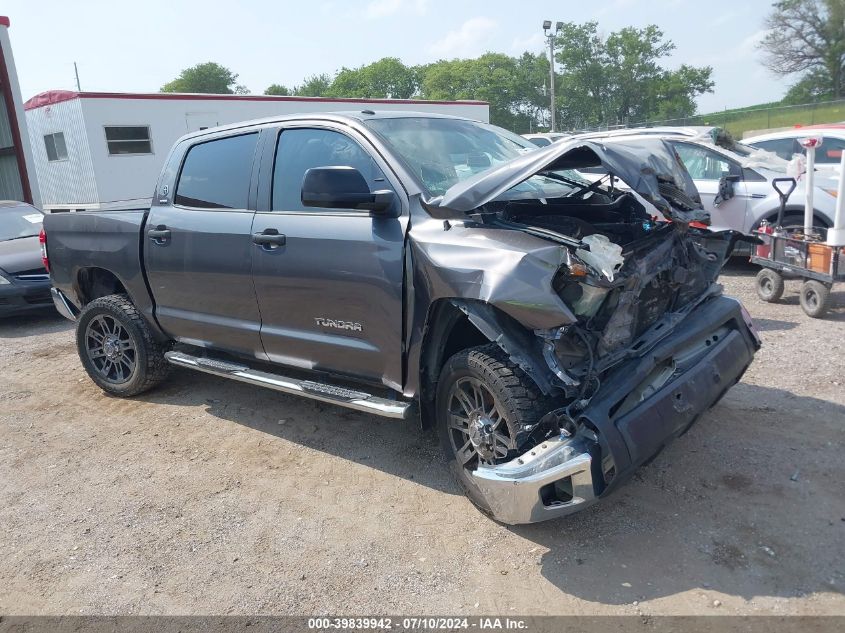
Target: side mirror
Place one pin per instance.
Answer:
(726, 188)
(342, 188)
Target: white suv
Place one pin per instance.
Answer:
(751, 173)
(785, 144)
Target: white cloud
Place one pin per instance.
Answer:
(532, 43)
(467, 41)
(384, 8)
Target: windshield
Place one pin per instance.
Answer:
(19, 221)
(443, 152)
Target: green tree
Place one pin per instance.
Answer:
(278, 90)
(314, 86)
(808, 36)
(512, 86)
(675, 92)
(815, 85)
(619, 79)
(210, 77)
(387, 78)
(583, 85)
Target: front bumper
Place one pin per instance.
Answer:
(21, 297)
(514, 490)
(525, 490)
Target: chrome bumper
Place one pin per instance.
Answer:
(512, 490)
(63, 306)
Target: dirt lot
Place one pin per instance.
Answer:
(210, 497)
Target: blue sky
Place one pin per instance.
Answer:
(138, 46)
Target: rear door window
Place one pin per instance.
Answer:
(216, 174)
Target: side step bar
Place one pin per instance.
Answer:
(341, 396)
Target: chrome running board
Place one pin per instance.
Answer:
(331, 394)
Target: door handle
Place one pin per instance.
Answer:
(159, 234)
(269, 238)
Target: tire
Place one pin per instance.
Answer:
(517, 400)
(769, 285)
(796, 221)
(117, 348)
(815, 297)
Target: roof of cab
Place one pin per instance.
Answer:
(348, 116)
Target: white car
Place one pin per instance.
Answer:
(749, 173)
(688, 130)
(545, 138)
(785, 144)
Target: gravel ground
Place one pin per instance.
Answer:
(211, 497)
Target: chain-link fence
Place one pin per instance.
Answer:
(738, 122)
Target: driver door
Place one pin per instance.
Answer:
(330, 292)
(707, 168)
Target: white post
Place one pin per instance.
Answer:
(809, 179)
(836, 235)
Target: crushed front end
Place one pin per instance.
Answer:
(648, 342)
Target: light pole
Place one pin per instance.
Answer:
(547, 29)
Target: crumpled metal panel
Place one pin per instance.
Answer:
(510, 270)
(649, 166)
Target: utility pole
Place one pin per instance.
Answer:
(76, 71)
(547, 29)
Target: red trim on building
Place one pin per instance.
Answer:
(4, 20)
(5, 86)
(58, 96)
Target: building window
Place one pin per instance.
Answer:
(128, 139)
(56, 148)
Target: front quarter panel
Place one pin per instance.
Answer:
(508, 270)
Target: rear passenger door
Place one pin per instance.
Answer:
(198, 246)
(330, 294)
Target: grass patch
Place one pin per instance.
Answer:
(741, 120)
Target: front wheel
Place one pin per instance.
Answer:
(117, 348)
(486, 406)
(769, 285)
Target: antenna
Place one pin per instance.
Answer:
(76, 71)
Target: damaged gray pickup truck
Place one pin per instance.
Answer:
(404, 264)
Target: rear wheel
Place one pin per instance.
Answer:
(117, 348)
(769, 285)
(486, 406)
(815, 297)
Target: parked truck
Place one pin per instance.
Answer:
(411, 265)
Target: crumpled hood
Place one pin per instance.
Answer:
(648, 166)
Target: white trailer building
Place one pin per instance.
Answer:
(94, 150)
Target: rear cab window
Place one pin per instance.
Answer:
(216, 174)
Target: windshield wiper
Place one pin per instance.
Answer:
(539, 232)
(582, 188)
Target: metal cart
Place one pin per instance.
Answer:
(793, 255)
